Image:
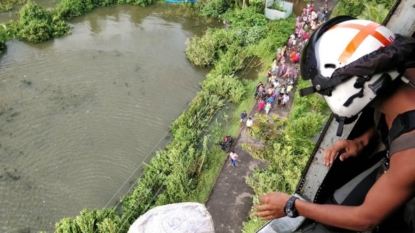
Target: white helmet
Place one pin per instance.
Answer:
(338, 59)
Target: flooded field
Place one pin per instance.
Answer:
(79, 114)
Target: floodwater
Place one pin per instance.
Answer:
(79, 114)
(6, 16)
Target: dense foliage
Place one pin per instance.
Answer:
(227, 87)
(90, 221)
(37, 24)
(287, 147)
(68, 9)
(277, 33)
(7, 5)
(5, 34)
(247, 17)
(250, 34)
(7, 31)
(203, 51)
(375, 10)
(213, 8)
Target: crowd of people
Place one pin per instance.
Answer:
(284, 71)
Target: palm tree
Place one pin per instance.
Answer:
(374, 12)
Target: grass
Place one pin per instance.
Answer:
(217, 157)
(211, 173)
(246, 105)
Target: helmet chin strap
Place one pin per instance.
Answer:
(407, 65)
(343, 121)
(405, 80)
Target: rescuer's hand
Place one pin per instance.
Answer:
(348, 148)
(273, 205)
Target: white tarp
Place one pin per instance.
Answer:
(186, 217)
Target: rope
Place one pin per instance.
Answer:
(135, 210)
(246, 67)
(142, 163)
(132, 186)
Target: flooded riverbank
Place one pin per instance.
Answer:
(79, 114)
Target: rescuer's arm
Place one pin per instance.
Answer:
(392, 189)
(350, 148)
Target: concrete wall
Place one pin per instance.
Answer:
(274, 14)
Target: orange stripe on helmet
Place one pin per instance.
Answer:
(364, 31)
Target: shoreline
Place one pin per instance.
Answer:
(208, 104)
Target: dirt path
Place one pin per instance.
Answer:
(231, 199)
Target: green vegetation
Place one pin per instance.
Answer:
(5, 35)
(212, 8)
(287, 147)
(7, 5)
(67, 9)
(375, 10)
(250, 35)
(288, 142)
(90, 221)
(187, 168)
(37, 24)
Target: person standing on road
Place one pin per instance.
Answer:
(261, 105)
(243, 117)
(233, 157)
(249, 124)
(268, 107)
(289, 88)
(285, 99)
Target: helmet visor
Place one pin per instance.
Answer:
(308, 62)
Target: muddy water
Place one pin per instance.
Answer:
(79, 114)
(6, 16)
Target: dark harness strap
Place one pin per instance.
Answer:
(403, 123)
(392, 138)
(404, 142)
